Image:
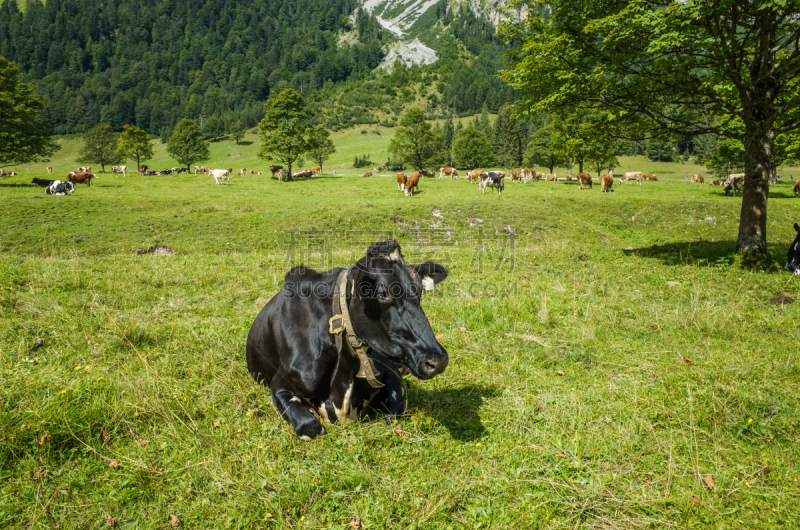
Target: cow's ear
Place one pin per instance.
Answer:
(433, 270)
(796, 227)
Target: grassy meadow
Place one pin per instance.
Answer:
(613, 362)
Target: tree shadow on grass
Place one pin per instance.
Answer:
(17, 185)
(704, 252)
(456, 408)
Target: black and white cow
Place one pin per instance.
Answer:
(60, 188)
(793, 259)
(491, 180)
(293, 349)
(42, 183)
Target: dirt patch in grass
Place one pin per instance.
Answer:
(157, 250)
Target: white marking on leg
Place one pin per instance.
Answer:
(296, 399)
(323, 411)
(343, 414)
(306, 438)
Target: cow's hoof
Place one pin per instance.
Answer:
(309, 429)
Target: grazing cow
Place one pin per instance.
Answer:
(717, 183)
(7, 173)
(182, 170)
(316, 170)
(538, 175)
(796, 189)
(230, 171)
(401, 181)
(49, 169)
(515, 175)
(568, 176)
(60, 188)
(584, 178)
(650, 176)
(85, 169)
(275, 169)
(697, 179)
(424, 173)
(411, 183)
(323, 368)
(220, 174)
(254, 172)
(552, 176)
(606, 181)
(200, 169)
(43, 183)
(492, 180)
(734, 183)
(632, 175)
(367, 174)
(526, 174)
(475, 174)
(305, 173)
(448, 172)
(242, 172)
(283, 174)
(793, 259)
(81, 176)
(120, 169)
(142, 169)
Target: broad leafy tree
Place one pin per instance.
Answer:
(472, 149)
(320, 145)
(728, 67)
(24, 137)
(237, 131)
(542, 149)
(585, 137)
(186, 145)
(284, 130)
(100, 147)
(134, 143)
(728, 158)
(415, 141)
(214, 128)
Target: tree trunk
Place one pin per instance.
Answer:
(580, 166)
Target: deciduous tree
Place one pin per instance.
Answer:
(472, 149)
(186, 144)
(542, 149)
(728, 67)
(100, 147)
(134, 143)
(320, 145)
(415, 142)
(284, 130)
(23, 136)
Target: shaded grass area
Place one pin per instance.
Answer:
(662, 385)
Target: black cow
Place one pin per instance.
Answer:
(297, 348)
(793, 259)
(60, 188)
(42, 183)
(491, 180)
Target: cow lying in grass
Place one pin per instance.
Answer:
(60, 188)
(793, 259)
(319, 342)
(43, 183)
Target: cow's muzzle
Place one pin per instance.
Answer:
(432, 365)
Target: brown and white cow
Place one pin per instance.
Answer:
(254, 172)
(426, 173)
(697, 179)
(411, 183)
(220, 174)
(49, 169)
(120, 169)
(568, 176)
(515, 175)
(734, 183)
(475, 174)
(527, 174)
(200, 169)
(550, 177)
(7, 173)
(316, 170)
(584, 178)
(606, 181)
(84, 169)
(143, 169)
(651, 177)
(717, 183)
(448, 172)
(632, 176)
(242, 172)
(275, 169)
(81, 176)
(796, 189)
(401, 181)
(303, 174)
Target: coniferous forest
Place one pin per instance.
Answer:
(153, 62)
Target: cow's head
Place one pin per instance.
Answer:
(386, 312)
(793, 259)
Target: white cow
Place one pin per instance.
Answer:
(220, 174)
(120, 169)
(632, 175)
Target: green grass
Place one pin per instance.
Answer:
(623, 439)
